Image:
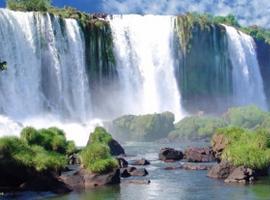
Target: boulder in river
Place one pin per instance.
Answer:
(204, 154)
(170, 154)
(84, 179)
(241, 175)
(221, 170)
(133, 171)
(141, 162)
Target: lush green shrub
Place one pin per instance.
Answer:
(245, 117)
(196, 127)
(246, 148)
(100, 135)
(29, 5)
(52, 139)
(97, 158)
(16, 152)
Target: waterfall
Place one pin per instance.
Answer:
(145, 63)
(246, 76)
(46, 67)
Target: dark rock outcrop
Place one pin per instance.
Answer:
(133, 171)
(83, 179)
(74, 159)
(219, 142)
(199, 154)
(221, 170)
(169, 154)
(141, 162)
(122, 162)
(241, 175)
(115, 148)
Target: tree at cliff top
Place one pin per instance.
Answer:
(29, 5)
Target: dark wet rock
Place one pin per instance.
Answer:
(22, 178)
(133, 171)
(169, 154)
(241, 175)
(141, 162)
(74, 159)
(83, 179)
(115, 148)
(122, 162)
(221, 170)
(204, 154)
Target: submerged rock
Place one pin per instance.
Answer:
(199, 154)
(188, 166)
(169, 154)
(142, 162)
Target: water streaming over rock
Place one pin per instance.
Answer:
(246, 75)
(53, 66)
(144, 52)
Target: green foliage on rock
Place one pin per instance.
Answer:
(246, 148)
(100, 135)
(143, 127)
(15, 152)
(51, 139)
(246, 117)
(29, 5)
(196, 127)
(96, 157)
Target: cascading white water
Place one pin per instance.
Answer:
(144, 51)
(46, 69)
(247, 80)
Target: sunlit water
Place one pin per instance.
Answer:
(170, 185)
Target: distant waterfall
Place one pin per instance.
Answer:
(46, 67)
(144, 52)
(246, 76)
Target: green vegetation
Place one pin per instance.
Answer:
(196, 127)
(52, 139)
(100, 135)
(144, 127)
(96, 156)
(187, 24)
(15, 152)
(246, 117)
(246, 148)
(29, 5)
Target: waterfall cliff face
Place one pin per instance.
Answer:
(247, 79)
(46, 67)
(62, 72)
(145, 61)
